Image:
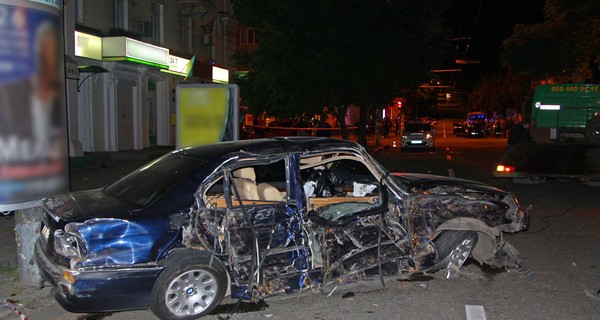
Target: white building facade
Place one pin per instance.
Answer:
(130, 56)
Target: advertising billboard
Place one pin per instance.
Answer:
(206, 113)
(33, 131)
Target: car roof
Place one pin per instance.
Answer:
(265, 147)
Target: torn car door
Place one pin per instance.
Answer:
(263, 230)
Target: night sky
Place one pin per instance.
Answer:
(487, 23)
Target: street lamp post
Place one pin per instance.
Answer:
(224, 20)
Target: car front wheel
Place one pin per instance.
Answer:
(453, 248)
(189, 287)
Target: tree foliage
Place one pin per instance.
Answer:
(496, 92)
(565, 44)
(317, 53)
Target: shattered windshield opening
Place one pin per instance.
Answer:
(399, 183)
(147, 183)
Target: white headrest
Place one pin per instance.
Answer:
(245, 173)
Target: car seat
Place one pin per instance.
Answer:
(244, 180)
(268, 193)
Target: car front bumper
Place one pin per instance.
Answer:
(407, 143)
(97, 290)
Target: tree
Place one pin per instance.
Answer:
(335, 53)
(566, 45)
(496, 92)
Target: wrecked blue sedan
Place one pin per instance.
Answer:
(262, 218)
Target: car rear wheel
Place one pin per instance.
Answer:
(189, 287)
(453, 249)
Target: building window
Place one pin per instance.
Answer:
(157, 23)
(247, 37)
(121, 14)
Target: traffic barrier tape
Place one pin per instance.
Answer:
(15, 307)
(299, 128)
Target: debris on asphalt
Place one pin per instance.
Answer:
(593, 294)
(526, 271)
(332, 291)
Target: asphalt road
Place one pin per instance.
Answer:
(560, 250)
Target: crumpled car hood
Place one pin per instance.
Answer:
(84, 205)
(427, 183)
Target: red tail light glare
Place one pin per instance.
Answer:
(503, 168)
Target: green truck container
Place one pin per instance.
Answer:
(566, 111)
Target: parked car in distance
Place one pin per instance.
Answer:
(476, 125)
(263, 218)
(418, 134)
(459, 128)
(477, 129)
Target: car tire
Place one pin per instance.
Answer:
(453, 247)
(189, 287)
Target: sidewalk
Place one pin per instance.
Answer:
(94, 170)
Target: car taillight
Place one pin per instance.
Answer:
(503, 168)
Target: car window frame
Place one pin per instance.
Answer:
(345, 155)
(222, 174)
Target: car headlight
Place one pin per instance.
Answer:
(68, 243)
(428, 136)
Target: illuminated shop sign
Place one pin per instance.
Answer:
(126, 49)
(88, 46)
(220, 75)
(177, 65)
(206, 113)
